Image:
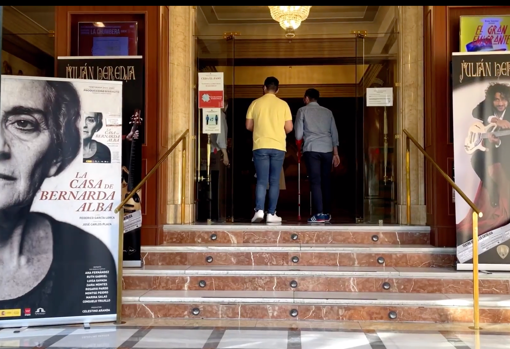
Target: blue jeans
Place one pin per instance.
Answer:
(268, 165)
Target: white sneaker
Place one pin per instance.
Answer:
(273, 218)
(258, 216)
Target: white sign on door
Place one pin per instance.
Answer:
(211, 121)
(380, 97)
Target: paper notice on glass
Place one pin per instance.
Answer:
(380, 97)
(132, 221)
(486, 242)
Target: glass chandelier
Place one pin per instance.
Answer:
(289, 17)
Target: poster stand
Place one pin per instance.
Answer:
(211, 100)
(75, 281)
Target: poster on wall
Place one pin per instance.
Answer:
(481, 119)
(59, 229)
(129, 70)
(484, 33)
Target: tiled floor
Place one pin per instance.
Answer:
(211, 334)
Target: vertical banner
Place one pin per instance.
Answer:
(58, 228)
(484, 33)
(129, 70)
(481, 120)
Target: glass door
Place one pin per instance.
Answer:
(214, 166)
(377, 116)
(315, 61)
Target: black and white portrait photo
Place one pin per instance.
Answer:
(93, 150)
(47, 248)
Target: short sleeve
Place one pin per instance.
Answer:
(249, 113)
(288, 113)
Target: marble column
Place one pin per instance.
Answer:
(181, 111)
(411, 110)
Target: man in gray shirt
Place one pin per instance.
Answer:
(316, 125)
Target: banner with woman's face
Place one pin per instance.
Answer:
(58, 230)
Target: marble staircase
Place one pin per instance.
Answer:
(303, 272)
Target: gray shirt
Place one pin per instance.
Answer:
(219, 141)
(317, 126)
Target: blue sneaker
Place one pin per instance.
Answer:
(317, 218)
(327, 217)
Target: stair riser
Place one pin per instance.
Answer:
(305, 259)
(311, 313)
(303, 237)
(315, 284)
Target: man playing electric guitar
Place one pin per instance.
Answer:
(492, 111)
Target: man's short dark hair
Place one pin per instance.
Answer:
(503, 89)
(312, 94)
(271, 83)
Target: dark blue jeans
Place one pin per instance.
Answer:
(318, 166)
(268, 165)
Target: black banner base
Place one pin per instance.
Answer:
(483, 267)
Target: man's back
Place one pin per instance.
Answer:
(317, 126)
(269, 114)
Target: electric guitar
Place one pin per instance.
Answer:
(477, 133)
(135, 203)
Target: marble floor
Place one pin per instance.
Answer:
(210, 334)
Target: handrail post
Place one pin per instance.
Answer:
(183, 182)
(408, 180)
(476, 292)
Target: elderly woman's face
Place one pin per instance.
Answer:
(89, 127)
(26, 158)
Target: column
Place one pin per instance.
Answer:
(411, 109)
(180, 111)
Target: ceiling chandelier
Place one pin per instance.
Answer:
(289, 17)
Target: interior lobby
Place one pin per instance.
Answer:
(384, 274)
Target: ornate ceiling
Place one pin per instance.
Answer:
(249, 15)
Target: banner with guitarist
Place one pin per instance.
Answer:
(129, 70)
(481, 127)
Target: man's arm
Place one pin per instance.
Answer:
(288, 121)
(334, 138)
(334, 134)
(299, 125)
(222, 139)
(249, 118)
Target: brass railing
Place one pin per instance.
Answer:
(476, 214)
(120, 209)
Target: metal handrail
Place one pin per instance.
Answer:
(155, 168)
(476, 214)
(130, 195)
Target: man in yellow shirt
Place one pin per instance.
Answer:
(270, 119)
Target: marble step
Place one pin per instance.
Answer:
(299, 234)
(299, 255)
(312, 278)
(309, 306)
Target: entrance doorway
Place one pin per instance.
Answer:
(341, 68)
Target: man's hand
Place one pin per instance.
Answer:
(336, 160)
(130, 136)
(493, 139)
(505, 124)
(225, 161)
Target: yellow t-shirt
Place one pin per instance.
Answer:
(269, 114)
